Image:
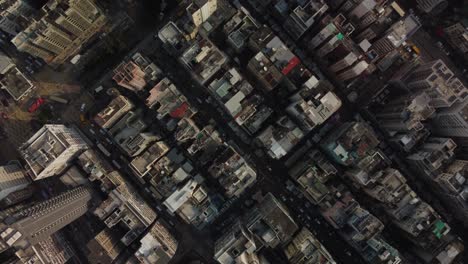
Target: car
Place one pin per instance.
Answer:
(36, 104)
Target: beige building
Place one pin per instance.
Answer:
(201, 10)
(60, 33)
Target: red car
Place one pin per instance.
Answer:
(34, 106)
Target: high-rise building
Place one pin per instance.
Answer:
(12, 178)
(405, 113)
(431, 157)
(344, 63)
(354, 71)
(201, 10)
(453, 187)
(60, 33)
(11, 11)
(452, 121)
(457, 36)
(36, 223)
(432, 6)
(436, 80)
(48, 151)
(396, 35)
(304, 16)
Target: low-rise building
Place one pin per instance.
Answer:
(167, 100)
(15, 82)
(141, 165)
(203, 59)
(157, 246)
(116, 109)
(105, 247)
(306, 249)
(239, 28)
(267, 225)
(195, 203)
(265, 71)
(135, 73)
(312, 173)
(173, 38)
(350, 143)
(233, 172)
(125, 206)
(280, 138)
(313, 104)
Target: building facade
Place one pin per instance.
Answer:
(35, 224)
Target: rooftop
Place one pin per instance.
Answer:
(204, 59)
(16, 83)
(351, 142)
(264, 69)
(173, 36)
(168, 100)
(271, 222)
(49, 143)
(141, 164)
(232, 172)
(280, 138)
(117, 108)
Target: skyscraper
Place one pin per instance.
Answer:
(35, 224)
(436, 80)
(432, 6)
(452, 121)
(48, 152)
(12, 178)
(60, 33)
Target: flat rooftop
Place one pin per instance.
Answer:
(203, 58)
(16, 84)
(143, 162)
(118, 107)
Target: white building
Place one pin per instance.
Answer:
(12, 178)
(48, 151)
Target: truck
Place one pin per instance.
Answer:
(103, 150)
(58, 99)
